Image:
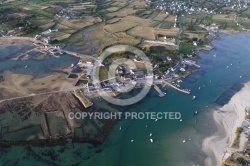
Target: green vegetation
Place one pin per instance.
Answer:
(186, 48)
(103, 73)
(83, 77)
(224, 21)
(84, 100)
(79, 44)
(227, 24)
(23, 18)
(163, 67)
(116, 56)
(42, 13)
(244, 22)
(237, 137)
(237, 159)
(154, 23)
(147, 50)
(167, 25)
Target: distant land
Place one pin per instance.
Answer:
(50, 50)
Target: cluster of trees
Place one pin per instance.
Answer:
(15, 21)
(139, 12)
(191, 27)
(163, 67)
(223, 25)
(118, 55)
(208, 20)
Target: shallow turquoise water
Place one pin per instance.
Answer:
(168, 148)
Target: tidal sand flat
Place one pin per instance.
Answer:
(219, 146)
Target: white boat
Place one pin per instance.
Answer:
(156, 120)
(215, 55)
(240, 76)
(132, 140)
(194, 97)
(150, 134)
(120, 128)
(180, 120)
(15, 59)
(26, 66)
(182, 69)
(80, 62)
(72, 65)
(151, 140)
(184, 141)
(199, 87)
(227, 66)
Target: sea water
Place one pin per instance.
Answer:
(219, 78)
(31, 66)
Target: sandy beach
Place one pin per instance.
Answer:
(218, 146)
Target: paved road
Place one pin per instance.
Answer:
(46, 44)
(38, 94)
(179, 33)
(159, 42)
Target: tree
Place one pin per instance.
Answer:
(223, 25)
(191, 27)
(147, 50)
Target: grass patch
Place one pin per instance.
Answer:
(84, 100)
(154, 23)
(41, 13)
(103, 73)
(236, 141)
(79, 44)
(186, 48)
(167, 25)
(33, 33)
(227, 24)
(84, 77)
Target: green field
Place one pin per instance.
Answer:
(154, 23)
(84, 100)
(186, 48)
(103, 73)
(167, 25)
